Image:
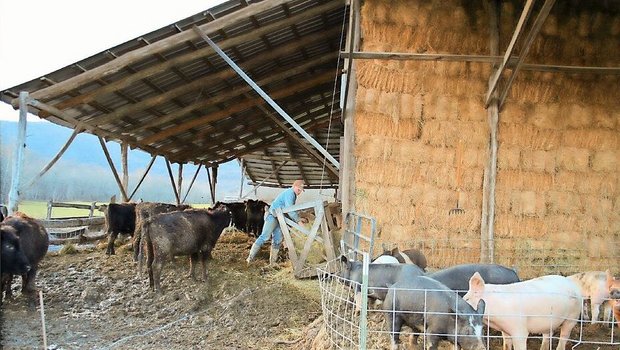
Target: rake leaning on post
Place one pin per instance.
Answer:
(283, 200)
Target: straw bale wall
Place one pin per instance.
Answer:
(422, 134)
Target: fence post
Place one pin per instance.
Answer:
(92, 210)
(49, 209)
(364, 311)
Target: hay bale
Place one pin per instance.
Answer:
(68, 249)
(573, 159)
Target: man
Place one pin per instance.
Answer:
(283, 200)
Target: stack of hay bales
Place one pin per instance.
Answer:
(559, 134)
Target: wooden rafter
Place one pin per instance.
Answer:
(157, 47)
(314, 155)
(525, 14)
(529, 39)
(238, 107)
(250, 64)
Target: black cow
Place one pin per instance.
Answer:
(26, 235)
(4, 212)
(239, 217)
(145, 210)
(255, 214)
(119, 218)
(190, 232)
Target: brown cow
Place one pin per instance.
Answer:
(190, 232)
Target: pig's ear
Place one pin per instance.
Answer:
(476, 283)
(610, 278)
(480, 307)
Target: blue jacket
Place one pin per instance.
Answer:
(283, 200)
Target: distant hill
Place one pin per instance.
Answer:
(44, 139)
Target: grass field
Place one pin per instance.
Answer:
(38, 209)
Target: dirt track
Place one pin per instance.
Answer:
(94, 301)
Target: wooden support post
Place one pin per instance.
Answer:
(210, 185)
(180, 182)
(114, 172)
(91, 211)
(51, 163)
(50, 205)
(124, 166)
(347, 179)
(174, 188)
(487, 223)
(191, 183)
(242, 173)
(213, 181)
(146, 171)
(18, 161)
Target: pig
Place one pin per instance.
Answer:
(613, 287)
(33, 241)
(13, 259)
(457, 277)
(385, 259)
(539, 305)
(427, 305)
(408, 256)
(380, 276)
(190, 232)
(593, 286)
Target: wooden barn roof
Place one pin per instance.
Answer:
(168, 93)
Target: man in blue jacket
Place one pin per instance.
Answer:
(283, 200)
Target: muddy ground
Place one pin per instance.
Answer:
(95, 301)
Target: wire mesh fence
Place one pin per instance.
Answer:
(367, 326)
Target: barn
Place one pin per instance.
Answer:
(473, 130)
(505, 116)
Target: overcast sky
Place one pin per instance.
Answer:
(38, 37)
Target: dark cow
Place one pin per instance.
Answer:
(255, 216)
(144, 211)
(14, 261)
(190, 232)
(4, 212)
(32, 240)
(239, 217)
(119, 218)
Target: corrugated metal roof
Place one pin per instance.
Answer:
(173, 96)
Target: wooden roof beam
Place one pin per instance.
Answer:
(293, 156)
(273, 168)
(405, 56)
(172, 41)
(250, 64)
(199, 84)
(529, 39)
(335, 164)
(525, 14)
(157, 47)
(236, 108)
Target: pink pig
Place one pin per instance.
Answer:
(593, 286)
(539, 305)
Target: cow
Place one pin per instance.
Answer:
(32, 241)
(191, 232)
(144, 211)
(119, 218)
(239, 217)
(14, 261)
(255, 216)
